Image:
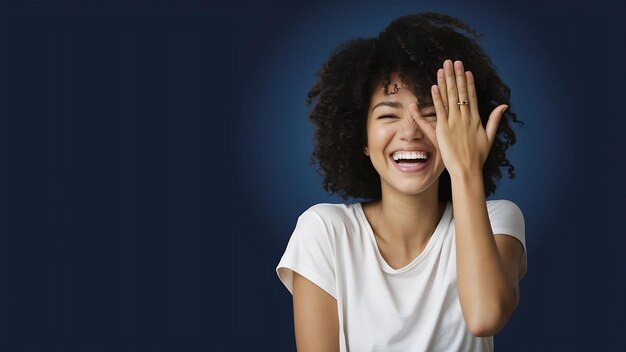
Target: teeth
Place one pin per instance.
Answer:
(409, 155)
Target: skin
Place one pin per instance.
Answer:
(488, 266)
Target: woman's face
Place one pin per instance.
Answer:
(402, 154)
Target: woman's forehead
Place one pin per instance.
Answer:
(398, 88)
(397, 92)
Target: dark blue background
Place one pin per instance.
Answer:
(154, 159)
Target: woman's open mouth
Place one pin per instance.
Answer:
(410, 161)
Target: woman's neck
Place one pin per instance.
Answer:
(406, 221)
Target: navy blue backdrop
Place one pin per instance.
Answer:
(154, 159)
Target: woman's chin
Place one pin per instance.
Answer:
(411, 188)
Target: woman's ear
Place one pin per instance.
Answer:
(366, 151)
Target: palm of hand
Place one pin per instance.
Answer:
(462, 141)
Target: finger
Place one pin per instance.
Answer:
(441, 83)
(494, 120)
(453, 97)
(442, 114)
(461, 85)
(424, 125)
(471, 95)
(415, 112)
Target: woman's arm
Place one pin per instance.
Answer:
(487, 265)
(315, 317)
(487, 268)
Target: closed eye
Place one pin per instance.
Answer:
(430, 117)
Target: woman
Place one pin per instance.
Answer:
(425, 263)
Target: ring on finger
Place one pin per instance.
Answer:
(463, 102)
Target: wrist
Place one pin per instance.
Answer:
(466, 174)
(467, 183)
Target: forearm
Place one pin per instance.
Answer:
(486, 294)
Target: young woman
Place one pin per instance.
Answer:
(416, 122)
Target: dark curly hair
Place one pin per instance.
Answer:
(414, 46)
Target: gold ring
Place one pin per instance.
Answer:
(463, 102)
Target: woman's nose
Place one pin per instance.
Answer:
(409, 129)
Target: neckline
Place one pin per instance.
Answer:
(431, 241)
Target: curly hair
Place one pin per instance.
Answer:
(413, 46)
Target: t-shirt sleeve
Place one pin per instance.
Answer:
(310, 254)
(507, 219)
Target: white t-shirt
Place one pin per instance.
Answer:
(414, 308)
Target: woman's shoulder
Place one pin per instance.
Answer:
(328, 220)
(496, 206)
(333, 212)
(506, 218)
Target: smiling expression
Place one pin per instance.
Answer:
(402, 154)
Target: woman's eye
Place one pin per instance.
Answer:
(388, 117)
(430, 117)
